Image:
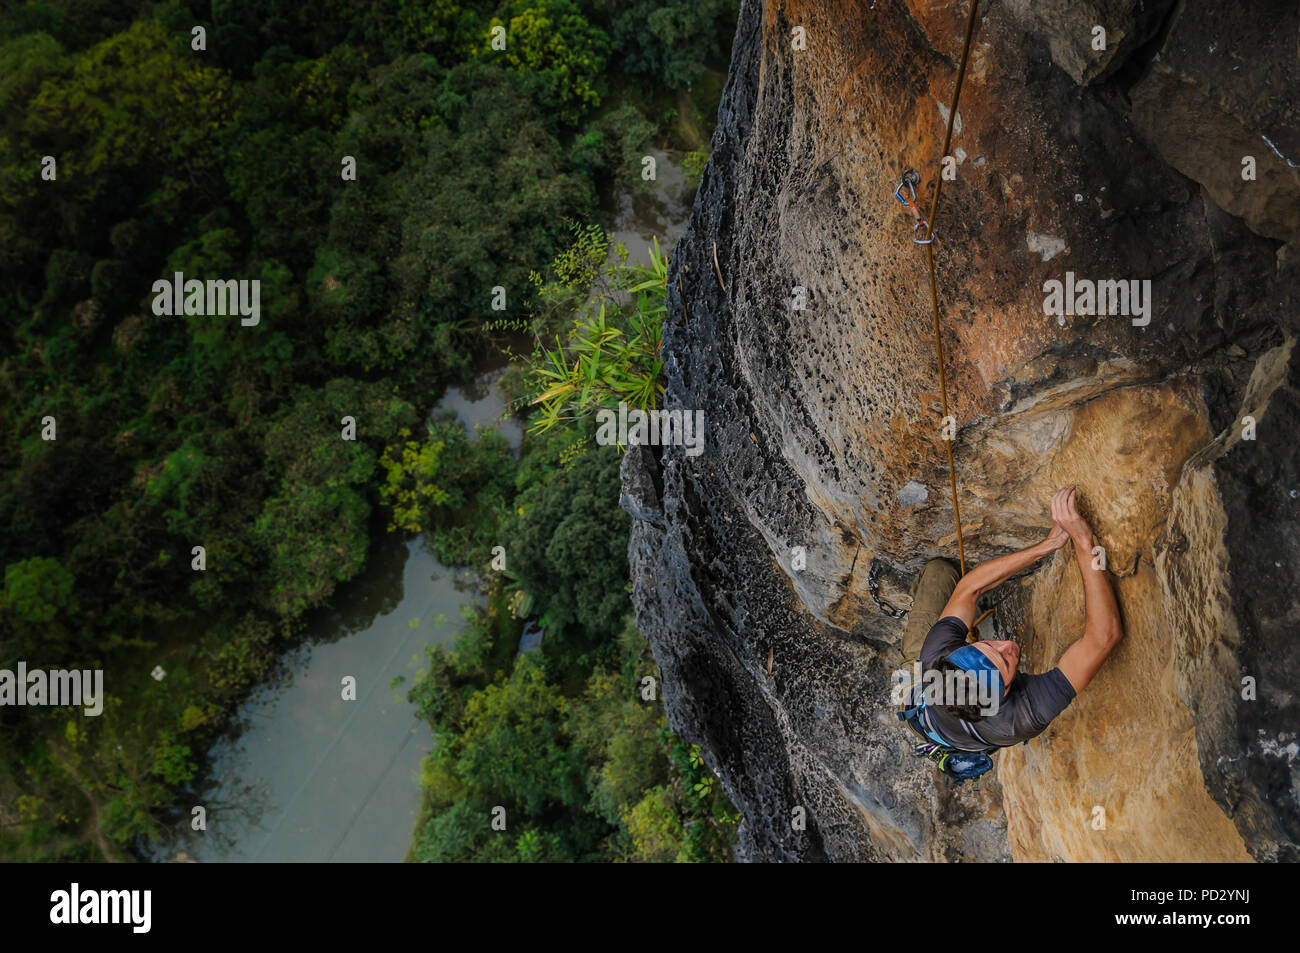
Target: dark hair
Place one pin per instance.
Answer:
(967, 712)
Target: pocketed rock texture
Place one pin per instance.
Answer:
(771, 572)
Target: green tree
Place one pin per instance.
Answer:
(448, 28)
(455, 490)
(486, 204)
(515, 747)
(671, 41)
(620, 733)
(27, 63)
(37, 590)
(609, 149)
(314, 530)
(655, 825)
(461, 834)
(136, 98)
(552, 42)
(535, 846)
(570, 546)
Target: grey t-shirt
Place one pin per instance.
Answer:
(1025, 711)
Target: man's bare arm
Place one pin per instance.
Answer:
(1102, 628)
(991, 574)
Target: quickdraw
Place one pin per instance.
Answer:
(911, 179)
(873, 589)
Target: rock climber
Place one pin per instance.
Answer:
(1008, 706)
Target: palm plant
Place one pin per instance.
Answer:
(612, 352)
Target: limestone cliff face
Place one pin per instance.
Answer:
(823, 423)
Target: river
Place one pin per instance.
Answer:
(307, 776)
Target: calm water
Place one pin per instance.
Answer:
(308, 776)
(636, 220)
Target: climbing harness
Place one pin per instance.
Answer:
(960, 764)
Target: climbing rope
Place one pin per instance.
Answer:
(909, 181)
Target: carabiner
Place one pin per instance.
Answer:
(911, 179)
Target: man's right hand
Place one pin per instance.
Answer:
(1102, 626)
(1067, 517)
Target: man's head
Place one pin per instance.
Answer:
(985, 670)
(1005, 655)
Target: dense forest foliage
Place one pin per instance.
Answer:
(472, 166)
(570, 741)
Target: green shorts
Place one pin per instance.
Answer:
(931, 590)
